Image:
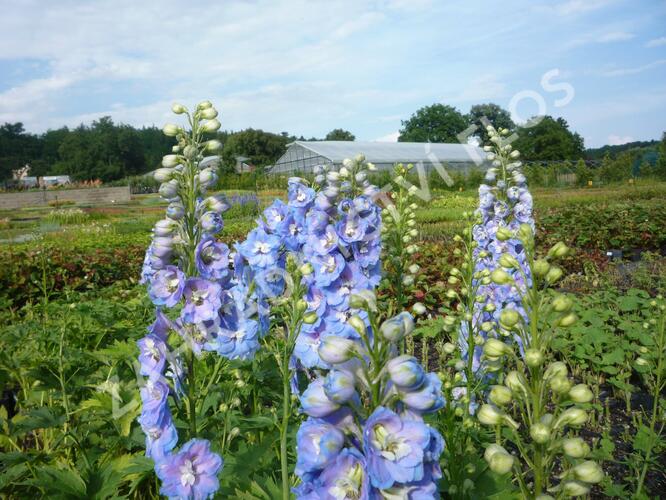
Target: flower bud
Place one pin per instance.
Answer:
(170, 161)
(179, 109)
(208, 113)
(500, 277)
(306, 269)
(541, 267)
(334, 349)
(213, 145)
(357, 323)
(574, 488)
(562, 303)
(533, 358)
(509, 318)
(310, 318)
(490, 415)
(504, 234)
(418, 309)
(574, 417)
(575, 447)
(499, 460)
(164, 174)
(540, 433)
(516, 382)
(558, 250)
(406, 372)
(560, 385)
(211, 126)
(525, 232)
(554, 274)
(315, 402)
(207, 176)
(171, 130)
(589, 472)
(339, 386)
(556, 369)
(494, 348)
(500, 395)
(581, 393)
(449, 348)
(169, 190)
(509, 261)
(567, 320)
(394, 329)
(204, 105)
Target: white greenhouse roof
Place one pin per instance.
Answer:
(302, 155)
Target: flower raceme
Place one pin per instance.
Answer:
(188, 273)
(365, 427)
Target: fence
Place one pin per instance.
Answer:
(92, 196)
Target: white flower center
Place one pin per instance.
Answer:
(390, 447)
(187, 475)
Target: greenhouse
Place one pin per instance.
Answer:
(302, 156)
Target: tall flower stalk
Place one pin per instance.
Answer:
(202, 306)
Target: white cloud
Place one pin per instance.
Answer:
(392, 137)
(656, 42)
(574, 7)
(615, 36)
(633, 71)
(617, 140)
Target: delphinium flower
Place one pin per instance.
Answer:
(365, 436)
(534, 404)
(399, 233)
(324, 243)
(202, 305)
(504, 204)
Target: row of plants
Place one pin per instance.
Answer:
(286, 330)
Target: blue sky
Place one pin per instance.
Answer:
(307, 67)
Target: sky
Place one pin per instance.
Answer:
(306, 67)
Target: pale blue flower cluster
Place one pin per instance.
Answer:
(188, 270)
(504, 204)
(334, 226)
(365, 436)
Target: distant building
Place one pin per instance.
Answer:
(302, 156)
(28, 182)
(54, 180)
(243, 165)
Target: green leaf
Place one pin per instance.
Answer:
(41, 418)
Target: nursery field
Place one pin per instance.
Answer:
(72, 310)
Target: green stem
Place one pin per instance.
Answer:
(191, 399)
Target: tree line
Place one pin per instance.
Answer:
(108, 151)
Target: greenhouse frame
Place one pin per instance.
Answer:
(302, 156)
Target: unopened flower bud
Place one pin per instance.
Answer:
(554, 274)
(516, 382)
(567, 320)
(334, 349)
(533, 358)
(540, 433)
(562, 303)
(589, 472)
(558, 250)
(574, 417)
(581, 393)
(503, 234)
(164, 174)
(494, 348)
(500, 277)
(418, 309)
(541, 267)
(500, 395)
(556, 369)
(170, 161)
(574, 488)
(213, 145)
(490, 415)
(499, 460)
(178, 109)
(306, 269)
(211, 126)
(310, 318)
(449, 348)
(208, 113)
(509, 318)
(560, 385)
(509, 261)
(357, 323)
(171, 130)
(575, 447)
